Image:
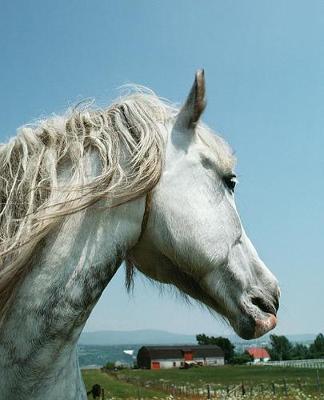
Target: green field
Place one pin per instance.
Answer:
(117, 389)
(228, 375)
(260, 382)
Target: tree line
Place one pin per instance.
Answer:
(280, 348)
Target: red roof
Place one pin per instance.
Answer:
(258, 352)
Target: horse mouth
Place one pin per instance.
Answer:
(264, 326)
(253, 328)
(252, 317)
(257, 319)
(254, 320)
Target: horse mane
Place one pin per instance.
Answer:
(36, 191)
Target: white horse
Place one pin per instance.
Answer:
(140, 181)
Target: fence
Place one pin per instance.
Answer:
(314, 363)
(225, 392)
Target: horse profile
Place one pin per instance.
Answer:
(141, 182)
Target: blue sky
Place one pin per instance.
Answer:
(264, 64)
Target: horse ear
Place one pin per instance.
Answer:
(195, 104)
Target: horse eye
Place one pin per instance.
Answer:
(230, 181)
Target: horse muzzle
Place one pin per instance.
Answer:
(265, 325)
(249, 327)
(257, 317)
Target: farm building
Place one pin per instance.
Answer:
(258, 354)
(156, 357)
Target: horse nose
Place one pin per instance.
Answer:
(276, 298)
(276, 301)
(268, 306)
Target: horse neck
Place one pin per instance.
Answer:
(67, 277)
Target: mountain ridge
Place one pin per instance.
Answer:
(162, 337)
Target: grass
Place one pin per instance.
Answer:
(228, 375)
(116, 389)
(149, 384)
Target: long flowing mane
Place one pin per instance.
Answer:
(43, 175)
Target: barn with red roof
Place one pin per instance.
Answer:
(259, 354)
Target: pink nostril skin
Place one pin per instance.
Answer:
(265, 325)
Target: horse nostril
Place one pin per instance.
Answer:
(276, 303)
(265, 306)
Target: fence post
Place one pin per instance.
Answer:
(285, 386)
(273, 388)
(243, 389)
(208, 392)
(318, 381)
(103, 394)
(138, 392)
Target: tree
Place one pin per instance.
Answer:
(280, 348)
(224, 343)
(299, 352)
(317, 347)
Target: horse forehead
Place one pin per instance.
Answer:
(216, 149)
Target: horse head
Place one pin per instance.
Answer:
(194, 238)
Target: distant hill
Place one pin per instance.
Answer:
(152, 336)
(95, 355)
(143, 336)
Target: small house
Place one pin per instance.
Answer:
(158, 357)
(258, 354)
